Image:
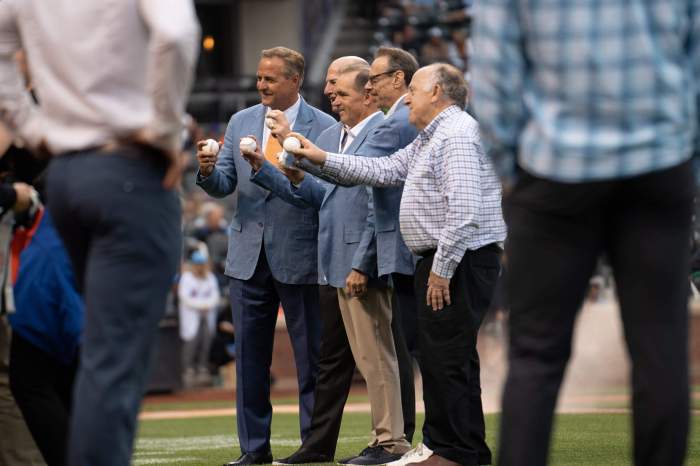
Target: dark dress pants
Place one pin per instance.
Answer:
(556, 233)
(43, 389)
(122, 231)
(255, 303)
(336, 367)
(404, 328)
(454, 417)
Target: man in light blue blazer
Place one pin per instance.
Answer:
(272, 251)
(347, 262)
(390, 74)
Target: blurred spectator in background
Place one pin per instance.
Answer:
(435, 50)
(212, 231)
(410, 41)
(198, 298)
(46, 335)
(17, 447)
(458, 49)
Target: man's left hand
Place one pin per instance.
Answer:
(356, 284)
(438, 295)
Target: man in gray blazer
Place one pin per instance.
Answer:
(347, 262)
(264, 269)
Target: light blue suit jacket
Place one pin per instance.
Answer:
(346, 240)
(288, 232)
(392, 134)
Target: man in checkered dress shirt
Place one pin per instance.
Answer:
(450, 216)
(597, 101)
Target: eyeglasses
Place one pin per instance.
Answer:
(374, 79)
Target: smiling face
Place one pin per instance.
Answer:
(277, 90)
(349, 101)
(331, 80)
(381, 84)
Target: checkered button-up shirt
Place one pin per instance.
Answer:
(451, 199)
(587, 90)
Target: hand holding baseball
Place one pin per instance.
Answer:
(207, 154)
(251, 152)
(307, 150)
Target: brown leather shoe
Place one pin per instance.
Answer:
(435, 460)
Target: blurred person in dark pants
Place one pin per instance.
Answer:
(589, 110)
(115, 127)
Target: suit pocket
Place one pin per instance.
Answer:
(352, 236)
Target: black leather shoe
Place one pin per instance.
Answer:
(252, 458)
(371, 456)
(304, 457)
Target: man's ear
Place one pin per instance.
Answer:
(436, 93)
(399, 79)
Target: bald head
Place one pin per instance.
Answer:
(451, 80)
(336, 68)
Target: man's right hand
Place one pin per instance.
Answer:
(206, 159)
(24, 196)
(294, 175)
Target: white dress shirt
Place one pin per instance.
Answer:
(101, 70)
(290, 114)
(451, 199)
(353, 132)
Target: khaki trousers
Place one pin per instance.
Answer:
(367, 323)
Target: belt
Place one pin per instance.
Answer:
(495, 247)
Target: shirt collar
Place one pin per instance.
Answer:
(394, 106)
(429, 130)
(357, 129)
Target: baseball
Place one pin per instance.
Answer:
(269, 122)
(291, 144)
(247, 144)
(212, 147)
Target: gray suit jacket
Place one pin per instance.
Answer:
(345, 239)
(288, 232)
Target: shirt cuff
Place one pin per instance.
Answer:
(443, 266)
(332, 165)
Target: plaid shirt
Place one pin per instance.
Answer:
(451, 198)
(588, 90)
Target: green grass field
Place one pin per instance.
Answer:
(579, 439)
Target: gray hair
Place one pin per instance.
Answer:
(451, 81)
(361, 77)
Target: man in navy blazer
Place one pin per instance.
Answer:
(264, 267)
(347, 262)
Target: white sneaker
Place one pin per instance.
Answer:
(417, 455)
